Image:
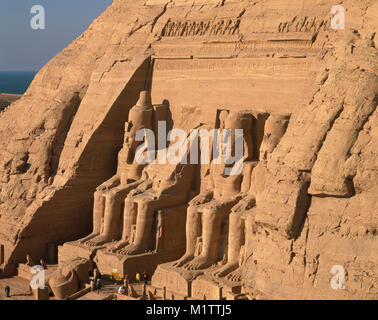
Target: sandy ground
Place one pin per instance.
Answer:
(20, 290)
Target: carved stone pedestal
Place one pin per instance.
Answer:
(72, 250)
(111, 263)
(169, 246)
(210, 288)
(176, 280)
(193, 285)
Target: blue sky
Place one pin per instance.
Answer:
(25, 49)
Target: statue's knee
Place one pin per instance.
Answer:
(128, 203)
(143, 206)
(190, 211)
(144, 210)
(192, 215)
(211, 215)
(235, 217)
(98, 195)
(110, 199)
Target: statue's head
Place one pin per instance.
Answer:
(233, 121)
(237, 121)
(140, 116)
(275, 128)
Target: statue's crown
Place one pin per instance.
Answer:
(144, 102)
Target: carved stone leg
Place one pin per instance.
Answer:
(113, 205)
(145, 219)
(193, 231)
(211, 231)
(235, 242)
(129, 219)
(98, 214)
(248, 229)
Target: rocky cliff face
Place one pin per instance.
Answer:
(328, 158)
(317, 207)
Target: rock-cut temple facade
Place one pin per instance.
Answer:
(304, 204)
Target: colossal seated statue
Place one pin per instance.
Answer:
(241, 223)
(164, 186)
(275, 128)
(109, 197)
(211, 208)
(239, 229)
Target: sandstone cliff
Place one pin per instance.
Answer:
(318, 205)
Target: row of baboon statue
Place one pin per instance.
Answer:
(201, 28)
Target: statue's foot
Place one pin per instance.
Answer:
(183, 260)
(234, 276)
(199, 263)
(132, 249)
(225, 270)
(97, 241)
(118, 246)
(87, 238)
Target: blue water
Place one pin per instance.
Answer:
(15, 82)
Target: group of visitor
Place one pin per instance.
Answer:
(124, 288)
(145, 277)
(96, 280)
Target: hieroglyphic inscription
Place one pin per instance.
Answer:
(305, 24)
(251, 48)
(201, 28)
(245, 65)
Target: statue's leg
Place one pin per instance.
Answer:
(235, 241)
(147, 204)
(248, 231)
(193, 231)
(98, 214)
(143, 235)
(113, 207)
(129, 219)
(211, 232)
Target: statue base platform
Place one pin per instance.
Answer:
(169, 238)
(193, 285)
(169, 246)
(121, 265)
(24, 271)
(72, 250)
(208, 287)
(176, 281)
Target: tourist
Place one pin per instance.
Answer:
(99, 273)
(126, 281)
(121, 289)
(7, 291)
(137, 278)
(92, 284)
(98, 284)
(126, 284)
(145, 277)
